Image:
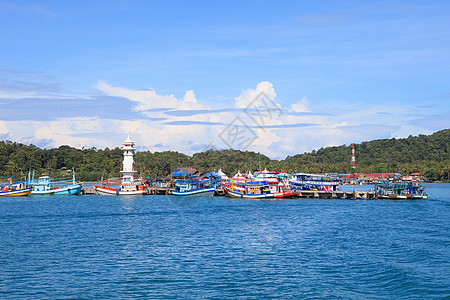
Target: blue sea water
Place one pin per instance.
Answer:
(214, 247)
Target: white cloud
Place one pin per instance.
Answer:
(301, 106)
(149, 99)
(248, 96)
(155, 134)
(3, 128)
(146, 99)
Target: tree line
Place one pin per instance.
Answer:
(425, 154)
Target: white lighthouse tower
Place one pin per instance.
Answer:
(128, 170)
(129, 185)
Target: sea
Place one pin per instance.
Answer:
(166, 247)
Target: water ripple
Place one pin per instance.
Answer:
(151, 247)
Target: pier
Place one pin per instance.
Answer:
(356, 195)
(159, 190)
(361, 195)
(87, 191)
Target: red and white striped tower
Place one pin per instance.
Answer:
(353, 156)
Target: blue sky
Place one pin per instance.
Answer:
(177, 75)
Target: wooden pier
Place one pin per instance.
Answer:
(159, 190)
(87, 191)
(360, 195)
(356, 195)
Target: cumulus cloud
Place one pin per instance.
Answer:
(149, 99)
(186, 125)
(247, 97)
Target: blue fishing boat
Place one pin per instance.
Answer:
(417, 191)
(190, 182)
(45, 185)
(401, 190)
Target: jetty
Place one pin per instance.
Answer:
(157, 190)
(87, 191)
(356, 195)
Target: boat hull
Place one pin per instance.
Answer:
(199, 192)
(67, 190)
(105, 191)
(233, 194)
(16, 193)
(286, 195)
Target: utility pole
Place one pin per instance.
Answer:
(353, 157)
(353, 167)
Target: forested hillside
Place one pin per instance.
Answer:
(429, 155)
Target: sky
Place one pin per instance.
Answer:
(275, 77)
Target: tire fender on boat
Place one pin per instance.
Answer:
(117, 192)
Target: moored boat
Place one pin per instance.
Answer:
(10, 188)
(416, 190)
(190, 182)
(192, 191)
(124, 189)
(401, 190)
(242, 187)
(278, 183)
(304, 181)
(45, 185)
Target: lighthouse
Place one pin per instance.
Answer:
(128, 185)
(128, 170)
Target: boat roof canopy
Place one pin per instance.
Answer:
(307, 174)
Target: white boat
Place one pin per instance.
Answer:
(123, 191)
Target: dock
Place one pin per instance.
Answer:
(361, 195)
(356, 195)
(87, 191)
(159, 190)
(151, 191)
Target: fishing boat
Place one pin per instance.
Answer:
(243, 187)
(127, 185)
(124, 186)
(10, 188)
(278, 183)
(251, 190)
(190, 182)
(45, 185)
(401, 190)
(390, 190)
(313, 182)
(415, 190)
